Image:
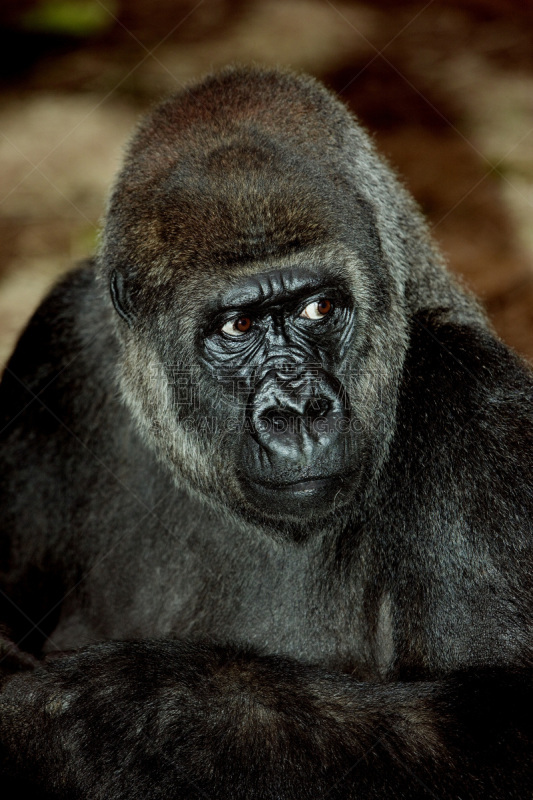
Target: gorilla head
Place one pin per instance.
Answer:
(262, 317)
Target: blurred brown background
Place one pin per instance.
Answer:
(446, 86)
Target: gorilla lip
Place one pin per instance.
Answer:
(298, 497)
(303, 484)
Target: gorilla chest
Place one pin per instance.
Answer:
(276, 597)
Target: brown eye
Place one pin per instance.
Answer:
(317, 309)
(242, 324)
(236, 327)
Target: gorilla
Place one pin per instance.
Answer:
(267, 485)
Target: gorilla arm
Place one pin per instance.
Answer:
(167, 718)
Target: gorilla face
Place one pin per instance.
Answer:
(260, 395)
(254, 388)
(276, 343)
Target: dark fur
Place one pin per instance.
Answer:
(378, 647)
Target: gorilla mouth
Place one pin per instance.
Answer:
(313, 492)
(304, 484)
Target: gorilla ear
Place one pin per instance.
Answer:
(120, 297)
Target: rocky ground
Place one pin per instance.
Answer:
(446, 87)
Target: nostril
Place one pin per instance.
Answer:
(278, 422)
(317, 407)
(273, 419)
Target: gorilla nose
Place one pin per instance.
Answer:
(286, 415)
(296, 419)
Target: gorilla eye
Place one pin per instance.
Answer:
(317, 309)
(236, 327)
